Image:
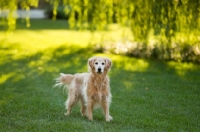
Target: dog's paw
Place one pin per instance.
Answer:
(66, 114)
(109, 118)
(83, 114)
(90, 119)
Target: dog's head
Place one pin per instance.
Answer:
(99, 64)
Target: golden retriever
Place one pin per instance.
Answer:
(90, 89)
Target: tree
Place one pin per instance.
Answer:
(165, 19)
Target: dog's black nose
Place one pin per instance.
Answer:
(99, 69)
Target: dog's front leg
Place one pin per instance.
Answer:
(90, 109)
(105, 106)
(106, 110)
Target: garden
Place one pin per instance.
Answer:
(155, 86)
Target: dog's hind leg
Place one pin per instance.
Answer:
(83, 107)
(71, 101)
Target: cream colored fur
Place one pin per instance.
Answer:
(90, 89)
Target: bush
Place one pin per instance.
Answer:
(177, 52)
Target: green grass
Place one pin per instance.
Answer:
(147, 95)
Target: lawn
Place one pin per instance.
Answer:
(148, 95)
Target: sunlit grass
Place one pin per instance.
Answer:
(46, 36)
(147, 95)
(5, 77)
(182, 68)
(39, 40)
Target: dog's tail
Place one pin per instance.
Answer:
(64, 80)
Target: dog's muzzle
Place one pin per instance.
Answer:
(99, 70)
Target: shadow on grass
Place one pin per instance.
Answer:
(147, 95)
(43, 62)
(26, 91)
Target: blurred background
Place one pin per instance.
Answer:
(166, 30)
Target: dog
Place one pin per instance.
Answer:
(90, 89)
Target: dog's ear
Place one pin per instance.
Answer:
(108, 63)
(91, 63)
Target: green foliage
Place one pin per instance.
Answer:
(10, 7)
(60, 13)
(167, 29)
(163, 17)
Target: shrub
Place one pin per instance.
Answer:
(159, 51)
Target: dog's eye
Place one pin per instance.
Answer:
(102, 63)
(96, 63)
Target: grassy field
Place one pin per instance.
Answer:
(148, 95)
